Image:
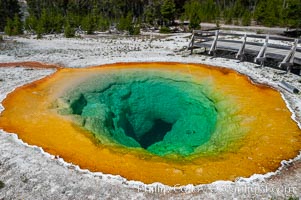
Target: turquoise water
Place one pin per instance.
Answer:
(160, 114)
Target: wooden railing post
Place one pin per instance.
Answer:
(191, 43)
(288, 61)
(261, 57)
(241, 51)
(214, 44)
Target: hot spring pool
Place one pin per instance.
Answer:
(156, 122)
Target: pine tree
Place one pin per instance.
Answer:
(8, 9)
(87, 24)
(68, 30)
(39, 30)
(103, 24)
(152, 12)
(93, 15)
(209, 11)
(259, 14)
(246, 19)
(271, 18)
(125, 23)
(17, 25)
(31, 23)
(41, 25)
(52, 19)
(292, 16)
(193, 13)
(195, 21)
(164, 29)
(9, 27)
(13, 27)
(238, 9)
(168, 10)
(149, 15)
(228, 16)
(136, 30)
(269, 12)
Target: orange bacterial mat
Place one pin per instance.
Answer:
(252, 134)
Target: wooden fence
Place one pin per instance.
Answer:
(261, 47)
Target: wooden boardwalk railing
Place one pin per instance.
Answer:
(262, 47)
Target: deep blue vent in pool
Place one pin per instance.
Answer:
(156, 134)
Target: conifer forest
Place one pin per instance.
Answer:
(68, 16)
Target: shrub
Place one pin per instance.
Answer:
(88, 24)
(135, 30)
(293, 198)
(103, 24)
(236, 22)
(125, 23)
(39, 30)
(69, 31)
(31, 23)
(164, 29)
(246, 19)
(17, 25)
(217, 23)
(13, 27)
(1, 185)
(195, 22)
(9, 27)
